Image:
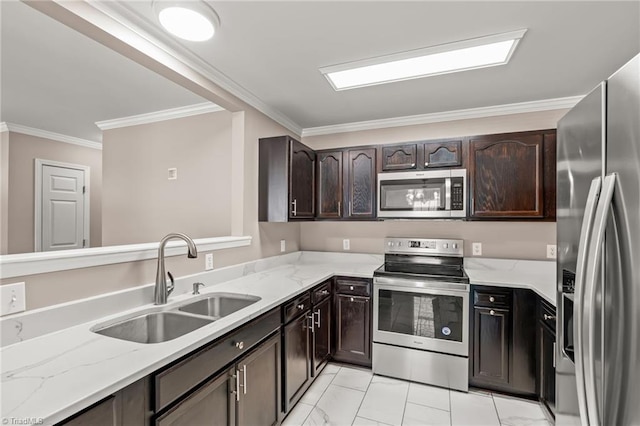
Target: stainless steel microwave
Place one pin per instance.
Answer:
(427, 194)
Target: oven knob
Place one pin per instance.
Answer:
(390, 243)
(445, 245)
(455, 246)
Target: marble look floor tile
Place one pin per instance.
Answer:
(298, 415)
(330, 368)
(338, 406)
(518, 412)
(315, 391)
(361, 421)
(353, 378)
(469, 409)
(429, 396)
(385, 400)
(419, 415)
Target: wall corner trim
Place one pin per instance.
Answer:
(16, 265)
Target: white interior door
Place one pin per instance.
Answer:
(63, 207)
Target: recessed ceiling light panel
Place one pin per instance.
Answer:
(188, 20)
(447, 58)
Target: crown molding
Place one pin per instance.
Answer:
(154, 117)
(31, 131)
(150, 30)
(438, 117)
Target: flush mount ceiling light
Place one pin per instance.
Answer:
(190, 20)
(443, 59)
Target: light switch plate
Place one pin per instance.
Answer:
(477, 249)
(208, 262)
(283, 246)
(12, 298)
(346, 245)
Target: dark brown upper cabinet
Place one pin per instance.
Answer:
(286, 170)
(360, 183)
(399, 157)
(421, 155)
(329, 191)
(510, 175)
(346, 185)
(447, 153)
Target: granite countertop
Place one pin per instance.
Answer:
(57, 374)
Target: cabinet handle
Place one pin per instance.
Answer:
(318, 320)
(492, 299)
(237, 391)
(554, 354)
(548, 317)
(324, 292)
(492, 312)
(240, 345)
(351, 299)
(413, 164)
(311, 318)
(295, 207)
(426, 164)
(339, 209)
(350, 287)
(301, 306)
(244, 379)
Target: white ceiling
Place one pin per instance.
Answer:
(271, 52)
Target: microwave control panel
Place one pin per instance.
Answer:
(457, 193)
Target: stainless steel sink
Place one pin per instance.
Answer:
(219, 305)
(154, 327)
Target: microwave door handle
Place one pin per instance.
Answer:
(591, 286)
(447, 194)
(585, 232)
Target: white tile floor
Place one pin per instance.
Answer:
(344, 395)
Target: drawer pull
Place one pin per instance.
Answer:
(351, 287)
(492, 312)
(240, 345)
(492, 299)
(324, 292)
(548, 317)
(301, 306)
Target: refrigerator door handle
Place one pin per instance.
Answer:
(585, 233)
(591, 280)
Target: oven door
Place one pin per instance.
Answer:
(425, 315)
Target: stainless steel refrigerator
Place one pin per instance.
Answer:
(598, 200)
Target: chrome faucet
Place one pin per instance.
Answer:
(162, 291)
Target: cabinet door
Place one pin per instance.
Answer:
(297, 359)
(442, 154)
(491, 345)
(301, 181)
(105, 413)
(360, 176)
(322, 334)
(212, 405)
(506, 176)
(329, 185)
(547, 367)
(259, 383)
(399, 157)
(353, 329)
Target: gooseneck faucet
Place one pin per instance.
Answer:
(162, 291)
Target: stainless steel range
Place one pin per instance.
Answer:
(421, 313)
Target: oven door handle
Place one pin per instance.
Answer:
(417, 284)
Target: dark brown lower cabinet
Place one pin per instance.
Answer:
(353, 329)
(130, 406)
(546, 356)
(503, 340)
(246, 394)
(297, 358)
(321, 334)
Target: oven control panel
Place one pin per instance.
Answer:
(428, 246)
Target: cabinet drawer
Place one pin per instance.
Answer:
(492, 298)
(321, 292)
(353, 287)
(181, 377)
(297, 306)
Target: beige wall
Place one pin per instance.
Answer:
(23, 150)
(514, 240)
(140, 203)
(4, 192)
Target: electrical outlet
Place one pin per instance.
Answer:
(283, 246)
(551, 251)
(208, 262)
(477, 249)
(12, 298)
(346, 245)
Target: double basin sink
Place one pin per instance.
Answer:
(164, 325)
